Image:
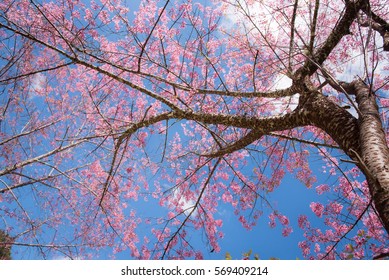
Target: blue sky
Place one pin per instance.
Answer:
(292, 198)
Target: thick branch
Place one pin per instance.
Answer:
(265, 124)
(263, 94)
(339, 31)
(374, 149)
(337, 122)
(262, 126)
(383, 30)
(379, 24)
(243, 142)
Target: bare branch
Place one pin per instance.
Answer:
(149, 36)
(194, 207)
(57, 150)
(340, 30)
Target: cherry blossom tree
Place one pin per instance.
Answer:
(116, 119)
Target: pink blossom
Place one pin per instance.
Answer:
(227, 197)
(317, 248)
(171, 215)
(88, 15)
(322, 188)
(219, 223)
(335, 207)
(199, 256)
(286, 231)
(272, 222)
(284, 220)
(304, 245)
(303, 221)
(317, 208)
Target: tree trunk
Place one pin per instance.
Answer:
(362, 139)
(374, 149)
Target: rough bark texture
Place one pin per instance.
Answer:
(374, 150)
(319, 111)
(362, 139)
(386, 41)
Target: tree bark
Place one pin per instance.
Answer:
(374, 149)
(362, 139)
(317, 110)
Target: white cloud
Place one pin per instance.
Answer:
(263, 18)
(65, 258)
(286, 104)
(282, 82)
(183, 203)
(37, 85)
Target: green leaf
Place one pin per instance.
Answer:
(248, 253)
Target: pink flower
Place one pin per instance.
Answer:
(305, 248)
(286, 231)
(317, 248)
(336, 207)
(227, 197)
(199, 256)
(317, 208)
(218, 223)
(171, 215)
(322, 188)
(272, 222)
(303, 221)
(284, 220)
